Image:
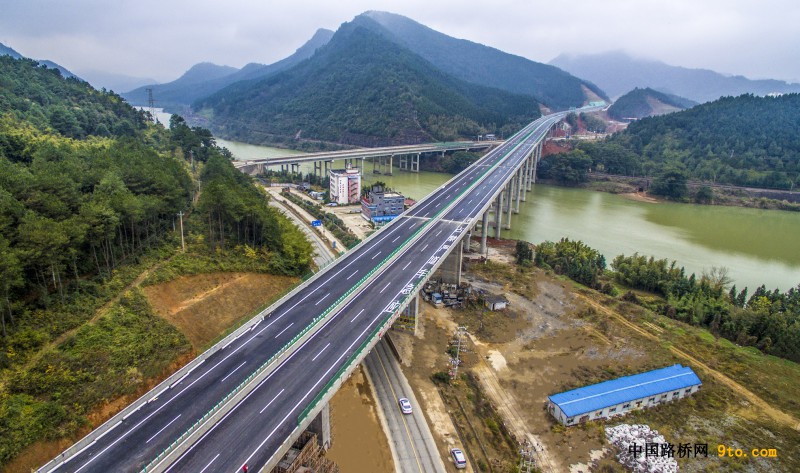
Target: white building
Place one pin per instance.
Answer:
(345, 186)
(622, 395)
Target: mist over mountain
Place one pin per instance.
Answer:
(116, 82)
(205, 79)
(479, 64)
(7, 51)
(617, 73)
(363, 89)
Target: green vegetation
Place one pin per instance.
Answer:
(363, 89)
(481, 64)
(768, 320)
(84, 211)
(572, 258)
(636, 103)
(329, 220)
(566, 168)
(744, 141)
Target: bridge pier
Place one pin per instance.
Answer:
(524, 171)
(415, 162)
(498, 214)
(450, 270)
(407, 320)
(321, 425)
(295, 168)
(485, 233)
(518, 189)
(510, 202)
(318, 168)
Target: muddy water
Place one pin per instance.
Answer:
(359, 444)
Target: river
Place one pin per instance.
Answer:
(756, 246)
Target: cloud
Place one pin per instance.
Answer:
(163, 39)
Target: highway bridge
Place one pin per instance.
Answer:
(408, 157)
(247, 398)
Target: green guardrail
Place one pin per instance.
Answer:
(329, 385)
(307, 329)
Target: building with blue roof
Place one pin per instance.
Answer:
(622, 395)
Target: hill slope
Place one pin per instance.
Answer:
(366, 90)
(6, 51)
(479, 64)
(640, 103)
(617, 73)
(193, 86)
(746, 140)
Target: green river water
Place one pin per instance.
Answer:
(757, 246)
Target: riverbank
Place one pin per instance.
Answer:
(721, 195)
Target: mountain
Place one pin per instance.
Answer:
(617, 72)
(6, 51)
(363, 89)
(115, 82)
(640, 103)
(192, 84)
(747, 141)
(483, 65)
(203, 80)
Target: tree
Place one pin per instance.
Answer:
(670, 183)
(524, 252)
(10, 278)
(569, 168)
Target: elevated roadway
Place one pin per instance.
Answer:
(254, 166)
(352, 302)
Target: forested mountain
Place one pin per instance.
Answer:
(746, 140)
(192, 86)
(363, 89)
(479, 64)
(640, 103)
(617, 73)
(6, 51)
(88, 190)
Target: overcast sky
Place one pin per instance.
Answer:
(162, 39)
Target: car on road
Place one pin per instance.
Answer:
(458, 458)
(405, 405)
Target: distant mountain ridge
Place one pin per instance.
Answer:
(483, 65)
(205, 79)
(6, 51)
(617, 73)
(363, 89)
(640, 103)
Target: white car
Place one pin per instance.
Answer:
(458, 458)
(405, 405)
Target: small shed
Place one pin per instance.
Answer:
(495, 302)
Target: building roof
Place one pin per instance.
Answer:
(628, 388)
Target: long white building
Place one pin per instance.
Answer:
(622, 395)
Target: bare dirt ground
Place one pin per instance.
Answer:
(203, 306)
(359, 444)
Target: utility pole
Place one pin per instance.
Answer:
(526, 462)
(456, 360)
(183, 244)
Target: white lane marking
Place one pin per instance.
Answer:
(209, 463)
(270, 402)
(426, 245)
(354, 273)
(407, 265)
(440, 232)
(162, 429)
(412, 224)
(320, 352)
(398, 237)
(384, 287)
(323, 298)
(376, 255)
(234, 370)
(324, 375)
(287, 328)
(354, 318)
(438, 204)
